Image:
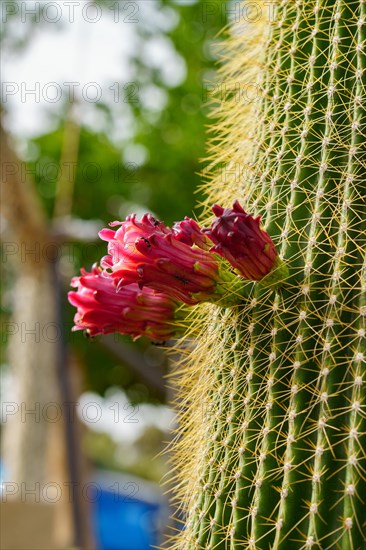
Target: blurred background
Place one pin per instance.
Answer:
(104, 113)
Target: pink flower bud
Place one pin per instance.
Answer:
(104, 309)
(239, 239)
(189, 232)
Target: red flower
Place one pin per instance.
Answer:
(102, 309)
(121, 245)
(239, 239)
(148, 253)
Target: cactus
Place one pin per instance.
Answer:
(272, 399)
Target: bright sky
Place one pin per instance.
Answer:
(122, 420)
(90, 59)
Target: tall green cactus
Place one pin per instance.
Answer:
(273, 416)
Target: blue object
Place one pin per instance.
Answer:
(127, 514)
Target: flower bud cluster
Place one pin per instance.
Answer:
(150, 269)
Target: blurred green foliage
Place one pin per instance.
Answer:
(107, 186)
(142, 458)
(174, 139)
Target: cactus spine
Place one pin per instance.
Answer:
(273, 451)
